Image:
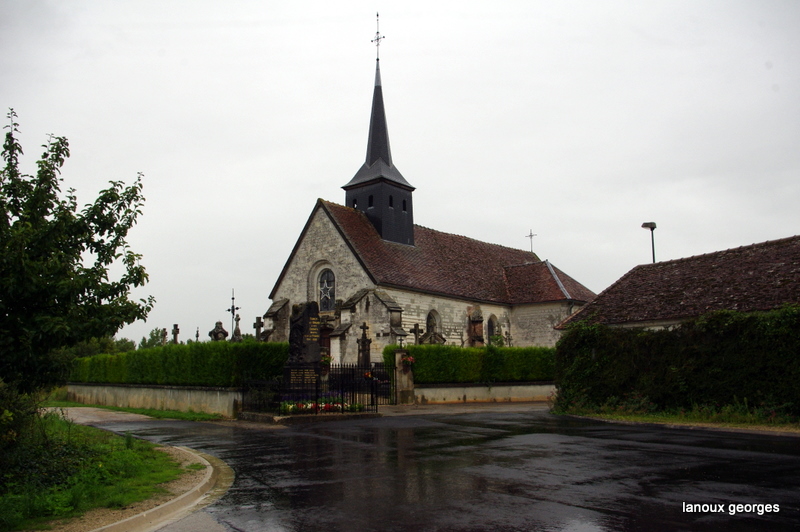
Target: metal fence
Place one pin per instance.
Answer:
(315, 389)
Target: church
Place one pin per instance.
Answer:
(373, 272)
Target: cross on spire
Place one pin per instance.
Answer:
(378, 37)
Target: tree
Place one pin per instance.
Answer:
(153, 339)
(55, 285)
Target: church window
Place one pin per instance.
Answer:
(432, 323)
(355, 203)
(391, 201)
(371, 201)
(327, 290)
(492, 327)
(404, 206)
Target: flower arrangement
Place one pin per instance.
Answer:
(325, 360)
(310, 407)
(407, 360)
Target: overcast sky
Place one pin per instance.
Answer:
(578, 120)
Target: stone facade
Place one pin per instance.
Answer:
(339, 239)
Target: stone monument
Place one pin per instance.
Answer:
(218, 333)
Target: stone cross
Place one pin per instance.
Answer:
(417, 331)
(363, 346)
(508, 339)
(175, 332)
(257, 326)
(163, 337)
(197, 335)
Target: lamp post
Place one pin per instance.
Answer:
(652, 227)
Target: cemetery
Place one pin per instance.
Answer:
(248, 378)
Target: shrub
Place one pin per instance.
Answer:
(440, 364)
(197, 364)
(711, 360)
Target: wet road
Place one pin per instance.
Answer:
(492, 471)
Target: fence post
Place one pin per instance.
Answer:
(403, 380)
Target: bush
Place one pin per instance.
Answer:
(225, 364)
(716, 359)
(441, 364)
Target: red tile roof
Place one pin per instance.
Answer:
(750, 278)
(452, 265)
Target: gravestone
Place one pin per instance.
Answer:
(363, 346)
(175, 332)
(258, 325)
(304, 334)
(300, 372)
(237, 332)
(218, 333)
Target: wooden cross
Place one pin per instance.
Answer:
(175, 332)
(417, 331)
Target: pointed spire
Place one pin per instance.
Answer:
(379, 154)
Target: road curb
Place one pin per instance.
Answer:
(216, 472)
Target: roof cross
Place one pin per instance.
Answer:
(378, 37)
(531, 235)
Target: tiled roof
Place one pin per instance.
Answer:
(750, 278)
(454, 265)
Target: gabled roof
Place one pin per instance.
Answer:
(450, 265)
(378, 164)
(750, 278)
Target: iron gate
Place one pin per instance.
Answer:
(315, 389)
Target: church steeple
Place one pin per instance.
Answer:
(378, 188)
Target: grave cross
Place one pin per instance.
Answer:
(257, 326)
(233, 308)
(363, 346)
(508, 339)
(417, 331)
(197, 335)
(175, 332)
(163, 337)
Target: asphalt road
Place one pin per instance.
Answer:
(489, 469)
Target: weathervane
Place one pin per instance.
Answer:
(531, 235)
(378, 37)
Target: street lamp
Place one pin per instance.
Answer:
(652, 227)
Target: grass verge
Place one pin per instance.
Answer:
(60, 470)
(159, 414)
(738, 415)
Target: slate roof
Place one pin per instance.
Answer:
(750, 278)
(378, 164)
(451, 265)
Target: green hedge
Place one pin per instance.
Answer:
(197, 364)
(717, 359)
(444, 364)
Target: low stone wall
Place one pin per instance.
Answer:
(482, 393)
(224, 401)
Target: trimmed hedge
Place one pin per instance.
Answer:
(225, 364)
(718, 359)
(445, 364)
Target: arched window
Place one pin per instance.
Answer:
(492, 327)
(431, 323)
(327, 290)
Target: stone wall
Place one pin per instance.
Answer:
(533, 324)
(477, 393)
(224, 401)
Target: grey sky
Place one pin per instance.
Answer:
(579, 120)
